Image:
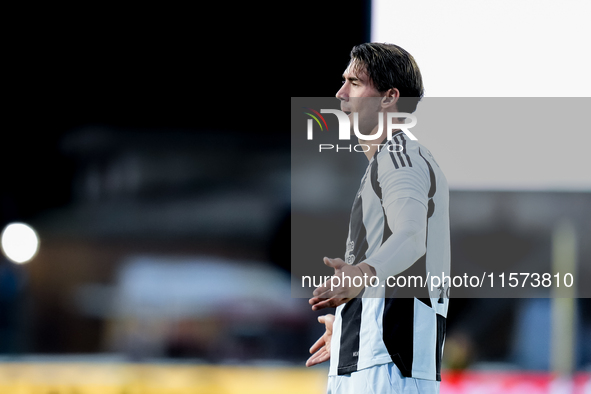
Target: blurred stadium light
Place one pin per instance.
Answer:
(20, 242)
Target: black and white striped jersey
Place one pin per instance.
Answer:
(399, 225)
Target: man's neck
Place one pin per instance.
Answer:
(374, 144)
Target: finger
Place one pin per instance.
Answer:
(333, 263)
(328, 321)
(315, 300)
(327, 285)
(326, 296)
(321, 304)
(317, 345)
(311, 361)
(315, 359)
(328, 290)
(324, 356)
(321, 289)
(318, 358)
(329, 303)
(329, 293)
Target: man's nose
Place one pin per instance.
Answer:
(342, 94)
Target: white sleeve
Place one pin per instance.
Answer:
(405, 200)
(403, 182)
(407, 218)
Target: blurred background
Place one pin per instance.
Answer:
(140, 147)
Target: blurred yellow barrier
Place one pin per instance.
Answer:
(38, 378)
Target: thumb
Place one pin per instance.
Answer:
(333, 263)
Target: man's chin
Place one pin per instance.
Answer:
(363, 133)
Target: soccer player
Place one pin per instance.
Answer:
(380, 341)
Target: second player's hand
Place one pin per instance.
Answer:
(324, 297)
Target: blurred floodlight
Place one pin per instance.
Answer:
(20, 242)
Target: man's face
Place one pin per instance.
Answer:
(359, 95)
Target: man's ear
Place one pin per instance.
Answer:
(390, 99)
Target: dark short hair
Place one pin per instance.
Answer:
(389, 66)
